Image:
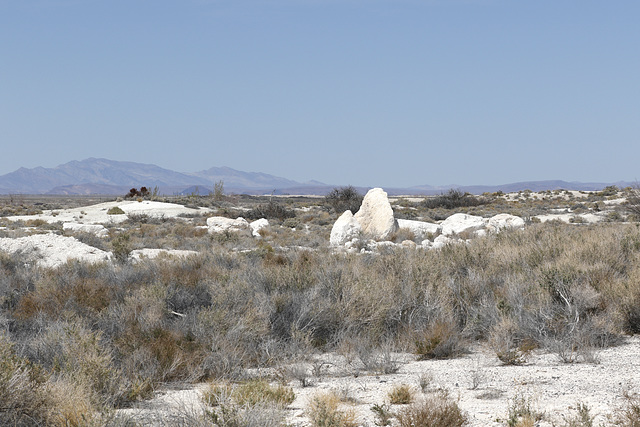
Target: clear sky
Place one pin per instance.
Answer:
(364, 92)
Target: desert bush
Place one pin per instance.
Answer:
(440, 340)
(115, 211)
(383, 414)
(75, 355)
(249, 393)
(628, 415)
(343, 199)
(453, 199)
(433, 411)
(23, 389)
(582, 418)
(633, 200)
(121, 247)
(510, 348)
(91, 240)
(522, 412)
(324, 411)
(270, 210)
(401, 394)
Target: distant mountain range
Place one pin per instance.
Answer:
(109, 177)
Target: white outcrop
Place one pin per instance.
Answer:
(96, 229)
(419, 228)
(371, 228)
(504, 221)
(52, 250)
(220, 224)
(376, 215)
(345, 229)
(459, 223)
(257, 225)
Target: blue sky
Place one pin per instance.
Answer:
(364, 92)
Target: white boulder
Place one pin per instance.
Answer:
(419, 228)
(257, 225)
(220, 224)
(504, 221)
(458, 223)
(96, 229)
(376, 215)
(345, 229)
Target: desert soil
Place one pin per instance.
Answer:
(551, 387)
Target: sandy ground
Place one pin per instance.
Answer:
(551, 387)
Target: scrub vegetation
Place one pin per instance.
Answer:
(80, 340)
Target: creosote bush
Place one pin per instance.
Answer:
(270, 210)
(343, 199)
(454, 199)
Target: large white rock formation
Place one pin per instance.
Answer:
(376, 215)
(345, 229)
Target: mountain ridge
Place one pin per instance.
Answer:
(111, 177)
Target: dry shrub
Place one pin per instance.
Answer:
(510, 348)
(629, 414)
(249, 393)
(76, 355)
(401, 394)
(23, 389)
(324, 411)
(71, 404)
(433, 411)
(522, 412)
(440, 340)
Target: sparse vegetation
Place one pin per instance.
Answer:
(82, 339)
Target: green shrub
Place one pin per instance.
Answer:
(454, 199)
(121, 247)
(115, 211)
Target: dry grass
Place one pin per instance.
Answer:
(401, 394)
